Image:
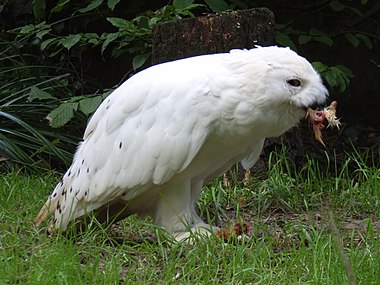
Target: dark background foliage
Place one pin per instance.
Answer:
(60, 59)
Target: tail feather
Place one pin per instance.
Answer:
(70, 197)
(50, 207)
(62, 203)
(45, 211)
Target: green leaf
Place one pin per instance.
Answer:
(217, 5)
(341, 78)
(320, 36)
(337, 76)
(319, 66)
(109, 39)
(365, 39)
(304, 39)
(28, 29)
(40, 34)
(93, 5)
(353, 40)
(70, 40)
(186, 11)
(40, 138)
(330, 78)
(142, 22)
(91, 38)
(47, 42)
(62, 114)
(60, 5)
(107, 93)
(182, 4)
(139, 60)
(345, 70)
(325, 39)
(89, 105)
(342, 82)
(37, 93)
(11, 150)
(316, 32)
(112, 3)
(119, 23)
(153, 21)
(284, 40)
(335, 5)
(39, 7)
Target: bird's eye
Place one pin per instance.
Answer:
(294, 82)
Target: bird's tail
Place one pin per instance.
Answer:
(45, 211)
(62, 203)
(51, 204)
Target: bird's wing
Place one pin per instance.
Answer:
(144, 138)
(144, 133)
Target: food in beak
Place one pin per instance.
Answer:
(317, 117)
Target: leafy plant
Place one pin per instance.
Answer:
(300, 32)
(337, 76)
(24, 138)
(133, 37)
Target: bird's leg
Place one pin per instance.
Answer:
(176, 213)
(199, 226)
(196, 188)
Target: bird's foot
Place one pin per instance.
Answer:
(235, 231)
(191, 235)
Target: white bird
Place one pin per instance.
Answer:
(170, 129)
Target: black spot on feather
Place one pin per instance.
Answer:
(88, 169)
(71, 189)
(120, 144)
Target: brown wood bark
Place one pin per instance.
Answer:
(212, 34)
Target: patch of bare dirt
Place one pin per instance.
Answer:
(286, 229)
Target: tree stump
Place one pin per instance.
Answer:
(212, 34)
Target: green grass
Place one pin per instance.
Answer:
(306, 228)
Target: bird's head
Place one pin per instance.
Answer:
(277, 86)
(285, 85)
(291, 81)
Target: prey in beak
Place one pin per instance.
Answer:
(317, 117)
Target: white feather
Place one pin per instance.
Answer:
(171, 128)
